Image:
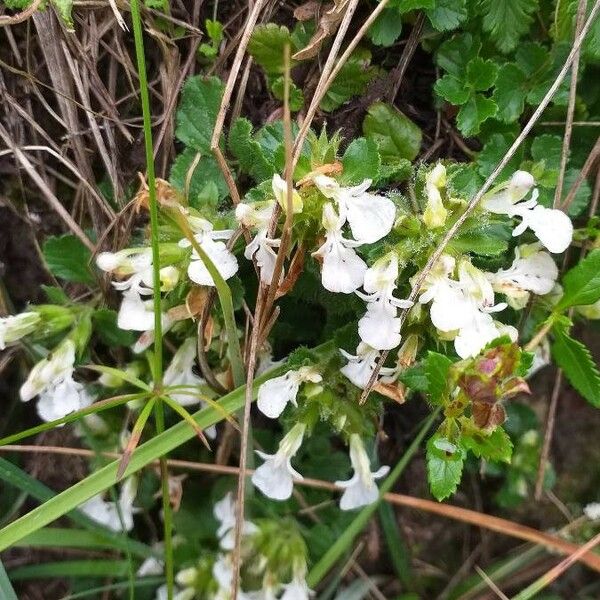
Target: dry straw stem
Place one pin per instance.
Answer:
(456, 513)
(570, 109)
(220, 121)
(324, 82)
(487, 185)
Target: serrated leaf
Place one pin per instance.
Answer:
(415, 378)
(548, 148)
(395, 134)
(387, 28)
(531, 58)
(396, 171)
(105, 326)
(67, 258)
(510, 93)
(197, 113)
(447, 15)
(507, 20)
(495, 447)
(454, 54)
(267, 45)
(361, 161)
(578, 365)
(481, 74)
(206, 173)
(64, 8)
(436, 369)
(296, 95)
(472, 114)
(351, 81)
(248, 151)
(444, 470)
(452, 89)
(493, 152)
(582, 283)
(486, 241)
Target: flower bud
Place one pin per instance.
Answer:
(14, 327)
(280, 193)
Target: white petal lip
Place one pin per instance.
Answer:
(343, 270)
(552, 227)
(274, 477)
(134, 313)
(370, 217)
(223, 259)
(379, 328)
(274, 394)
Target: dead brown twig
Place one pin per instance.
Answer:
(456, 513)
(6, 20)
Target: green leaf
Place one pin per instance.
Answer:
(214, 29)
(415, 378)
(395, 171)
(267, 45)
(582, 283)
(206, 173)
(436, 368)
(72, 568)
(248, 151)
(67, 258)
(56, 295)
(481, 74)
(296, 95)
(454, 54)
(387, 28)
(447, 15)
(105, 326)
(197, 113)
(395, 134)
(351, 81)
(398, 550)
(510, 94)
(472, 114)
(577, 364)
(548, 148)
(452, 89)
(531, 58)
(490, 240)
(493, 152)
(444, 469)
(507, 20)
(361, 161)
(407, 5)
(64, 8)
(7, 591)
(495, 447)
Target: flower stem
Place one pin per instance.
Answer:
(158, 358)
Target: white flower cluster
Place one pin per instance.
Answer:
(52, 380)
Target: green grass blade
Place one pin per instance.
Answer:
(119, 374)
(344, 542)
(74, 416)
(398, 552)
(148, 452)
(71, 568)
(63, 537)
(6, 589)
(115, 587)
(12, 475)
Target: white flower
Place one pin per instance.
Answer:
(361, 489)
(531, 271)
(225, 512)
(14, 327)
(435, 213)
(52, 379)
(117, 516)
(223, 259)
(279, 186)
(274, 478)
(135, 313)
(592, 511)
(360, 367)
(551, 226)
(261, 246)
(274, 394)
(462, 308)
(380, 326)
(297, 589)
(343, 270)
(180, 372)
(371, 217)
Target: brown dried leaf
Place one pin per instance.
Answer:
(166, 195)
(335, 168)
(307, 11)
(393, 391)
(295, 269)
(194, 304)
